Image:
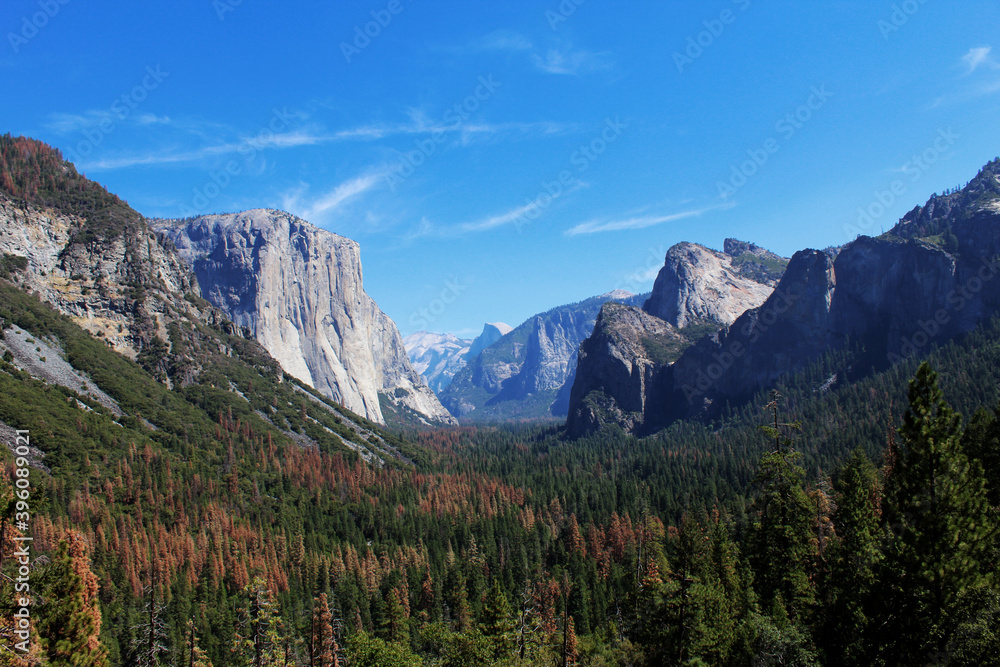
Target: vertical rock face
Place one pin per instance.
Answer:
(492, 332)
(619, 364)
(697, 285)
(620, 376)
(298, 290)
(439, 357)
(527, 374)
(123, 287)
(935, 275)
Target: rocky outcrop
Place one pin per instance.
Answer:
(935, 275)
(697, 290)
(492, 332)
(439, 357)
(123, 287)
(528, 373)
(698, 285)
(618, 367)
(297, 289)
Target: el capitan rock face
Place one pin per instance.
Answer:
(298, 290)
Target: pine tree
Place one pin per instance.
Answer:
(70, 617)
(498, 621)
(321, 640)
(571, 650)
(855, 558)
(196, 656)
(940, 529)
(782, 550)
(258, 638)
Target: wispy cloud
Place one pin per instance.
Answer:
(68, 123)
(466, 133)
(569, 61)
(639, 222)
(317, 209)
(495, 221)
(979, 79)
(247, 146)
(977, 57)
(504, 40)
(152, 119)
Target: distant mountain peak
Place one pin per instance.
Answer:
(698, 284)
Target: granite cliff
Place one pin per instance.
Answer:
(297, 290)
(527, 374)
(439, 357)
(925, 281)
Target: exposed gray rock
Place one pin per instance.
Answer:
(935, 275)
(298, 290)
(618, 366)
(122, 288)
(622, 371)
(527, 374)
(492, 332)
(698, 285)
(436, 356)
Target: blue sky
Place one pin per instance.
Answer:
(494, 161)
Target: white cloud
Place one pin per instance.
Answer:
(505, 40)
(152, 119)
(492, 222)
(568, 61)
(640, 222)
(978, 56)
(317, 209)
(68, 123)
(247, 146)
(985, 82)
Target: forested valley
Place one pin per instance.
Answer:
(855, 526)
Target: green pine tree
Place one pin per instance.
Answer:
(855, 556)
(940, 530)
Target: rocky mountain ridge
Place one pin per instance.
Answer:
(527, 374)
(928, 279)
(698, 291)
(439, 356)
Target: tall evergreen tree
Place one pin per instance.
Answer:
(258, 637)
(70, 618)
(321, 642)
(855, 556)
(782, 548)
(940, 529)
